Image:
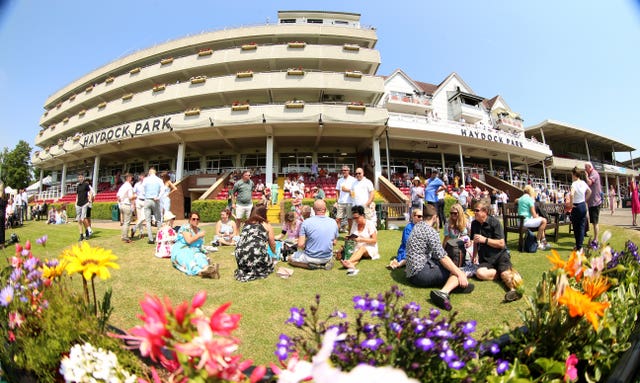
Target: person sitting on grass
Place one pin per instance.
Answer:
(317, 236)
(226, 230)
(365, 235)
(401, 258)
(188, 254)
(428, 265)
(251, 253)
(490, 252)
(166, 236)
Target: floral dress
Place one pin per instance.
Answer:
(165, 239)
(251, 254)
(188, 258)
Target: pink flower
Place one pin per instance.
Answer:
(15, 319)
(222, 323)
(571, 372)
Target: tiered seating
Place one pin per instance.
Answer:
(68, 198)
(406, 191)
(103, 186)
(223, 194)
(107, 196)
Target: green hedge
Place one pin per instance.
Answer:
(99, 210)
(209, 209)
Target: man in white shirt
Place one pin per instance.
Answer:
(25, 202)
(152, 185)
(343, 204)
(17, 207)
(138, 190)
(362, 193)
(126, 198)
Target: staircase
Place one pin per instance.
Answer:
(273, 213)
(500, 184)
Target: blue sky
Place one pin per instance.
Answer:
(572, 61)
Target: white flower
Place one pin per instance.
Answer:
(86, 364)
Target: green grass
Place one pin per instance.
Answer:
(265, 304)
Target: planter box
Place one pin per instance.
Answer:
(166, 61)
(236, 108)
(82, 112)
(159, 88)
(353, 74)
(59, 105)
(294, 104)
(134, 70)
(109, 80)
(248, 47)
(356, 107)
(244, 74)
(205, 52)
(127, 96)
(297, 44)
(198, 80)
(102, 105)
(192, 112)
(89, 89)
(351, 47)
(65, 120)
(295, 72)
(73, 97)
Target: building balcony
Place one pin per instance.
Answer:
(469, 113)
(408, 104)
(509, 124)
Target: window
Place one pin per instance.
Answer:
(288, 21)
(315, 21)
(191, 163)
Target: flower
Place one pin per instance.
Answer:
(581, 305)
(90, 261)
(86, 363)
(571, 372)
(6, 295)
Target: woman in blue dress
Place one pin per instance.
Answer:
(188, 254)
(251, 253)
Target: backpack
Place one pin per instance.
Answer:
(530, 242)
(456, 251)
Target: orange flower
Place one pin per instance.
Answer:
(594, 287)
(555, 260)
(581, 305)
(574, 266)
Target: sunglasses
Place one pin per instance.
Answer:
(477, 210)
(345, 170)
(357, 173)
(195, 219)
(453, 213)
(417, 215)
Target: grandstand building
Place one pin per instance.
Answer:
(278, 99)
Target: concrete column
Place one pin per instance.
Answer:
(462, 177)
(377, 169)
(268, 164)
(586, 145)
(41, 175)
(510, 171)
(96, 173)
(180, 161)
(442, 160)
(63, 180)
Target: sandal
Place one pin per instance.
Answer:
(512, 296)
(441, 299)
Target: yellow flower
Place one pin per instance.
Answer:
(581, 305)
(594, 287)
(53, 272)
(89, 261)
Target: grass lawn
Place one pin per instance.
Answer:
(265, 304)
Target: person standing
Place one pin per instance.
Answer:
(362, 194)
(82, 203)
(433, 187)
(580, 193)
(25, 202)
(126, 198)
(138, 190)
(343, 205)
(417, 194)
(92, 195)
(595, 201)
(612, 199)
(152, 185)
(17, 207)
(3, 212)
(635, 203)
(241, 197)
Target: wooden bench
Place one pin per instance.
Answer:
(512, 222)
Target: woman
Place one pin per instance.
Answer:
(401, 258)
(612, 199)
(290, 228)
(635, 203)
(167, 189)
(251, 253)
(365, 235)
(166, 236)
(188, 255)
(417, 194)
(458, 227)
(580, 193)
(428, 264)
(226, 230)
(3, 212)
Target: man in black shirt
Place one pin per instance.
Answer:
(490, 252)
(82, 203)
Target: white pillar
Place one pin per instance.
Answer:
(549, 178)
(586, 145)
(510, 171)
(442, 160)
(461, 166)
(63, 180)
(377, 169)
(41, 175)
(180, 161)
(268, 164)
(96, 174)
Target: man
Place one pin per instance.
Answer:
(318, 192)
(241, 197)
(25, 201)
(343, 204)
(317, 237)
(527, 209)
(595, 201)
(490, 252)
(362, 193)
(428, 265)
(126, 199)
(17, 203)
(152, 186)
(138, 190)
(82, 203)
(92, 195)
(435, 185)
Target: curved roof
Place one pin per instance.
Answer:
(561, 131)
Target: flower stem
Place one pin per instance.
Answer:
(93, 288)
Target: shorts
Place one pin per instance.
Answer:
(243, 211)
(533, 222)
(81, 212)
(343, 210)
(300, 256)
(594, 214)
(501, 262)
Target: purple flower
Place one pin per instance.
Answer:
(338, 314)
(284, 340)
(502, 366)
(448, 356)
(31, 263)
(494, 348)
(42, 240)
(469, 343)
(372, 343)
(395, 327)
(456, 364)
(282, 353)
(6, 296)
(425, 344)
(376, 305)
(360, 303)
(16, 274)
(434, 313)
(413, 306)
(468, 327)
(443, 334)
(368, 327)
(52, 263)
(419, 328)
(297, 317)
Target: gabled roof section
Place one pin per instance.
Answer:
(454, 75)
(488, 103)
(418, 85)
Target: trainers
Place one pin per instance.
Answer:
(464, 290)
(512, 296)
(329, 265)
(81, 238)
(151, 242)
(544, 245)
(353, 272)
(441, 299)
(215, 243)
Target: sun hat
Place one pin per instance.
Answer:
(168, 216)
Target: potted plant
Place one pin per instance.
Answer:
(198, 79)
(294, 104)
(295, 71)
(102, 105)
(353, 74)
(127, 96)
(192, 112)
(109, 79)
(249, 46)
(159, 87)
(205, 52)
(166, 61)
(134, 70)
(244, 74)
(296, 44)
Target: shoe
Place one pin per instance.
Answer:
(545, 246)
(215, 243)
(208, 272)
(352, 272)
(151, 242)
(464, 290)
(81, 238)
(126, 240)
(441, 299)
(210, 249)
(329, 265)
(216, 271)
(512, 296)
(133, 232)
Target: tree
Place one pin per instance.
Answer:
(16, 166)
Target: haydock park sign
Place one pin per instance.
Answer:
(500, 138)
(130, 130)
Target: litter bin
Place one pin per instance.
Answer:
(115, 213)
